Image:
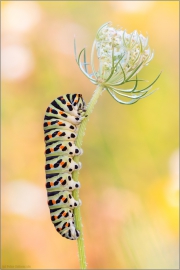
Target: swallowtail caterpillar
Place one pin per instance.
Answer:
(61, 122)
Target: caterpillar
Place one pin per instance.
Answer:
(61, 122)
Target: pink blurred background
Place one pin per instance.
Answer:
(129, 179)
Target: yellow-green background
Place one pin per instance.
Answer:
(129, 176)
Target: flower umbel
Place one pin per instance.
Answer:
(121, 56)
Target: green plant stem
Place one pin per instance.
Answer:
(77, 213)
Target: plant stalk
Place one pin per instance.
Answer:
(77, 212)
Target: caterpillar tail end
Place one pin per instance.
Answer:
(73, 235)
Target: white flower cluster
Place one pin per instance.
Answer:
(121, 56)
(121, 52)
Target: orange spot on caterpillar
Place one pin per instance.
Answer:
(63, 199)
(51, 149)
(59, 123)
(62, 163)
(51, 165)
(51, 184)
(64, 214)
(55, 217)
(53, 201)
(68, 103)
(49, 123)
(61, 112)
(66, 224)
(59, 133)
(61, 147)
(50, 136)
(61, 181)
(76, 100)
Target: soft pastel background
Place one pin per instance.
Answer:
(129, 177)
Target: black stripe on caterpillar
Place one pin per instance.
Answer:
(61, 122)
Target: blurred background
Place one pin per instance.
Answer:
(129, 178)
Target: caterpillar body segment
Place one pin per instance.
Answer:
(61, 123)
(59, 114)
(57, 135)
(61, 182)
(61, 164)
(61, 214)
(62, 148)
(62, 199)
(67, 229)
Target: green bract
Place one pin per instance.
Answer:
(121, 56)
